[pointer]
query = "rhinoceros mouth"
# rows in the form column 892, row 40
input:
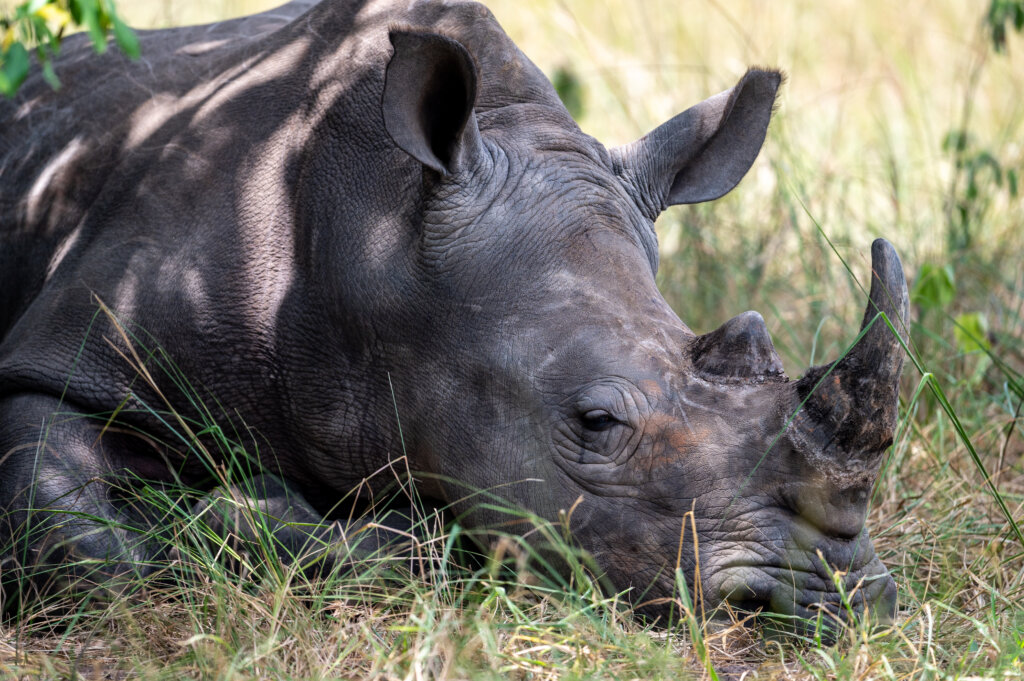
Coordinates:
column 789, row 591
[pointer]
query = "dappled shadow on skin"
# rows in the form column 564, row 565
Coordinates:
column 208, row 158
column 206, row 278
column 199, row 202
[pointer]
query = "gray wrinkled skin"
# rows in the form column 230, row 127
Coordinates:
column 319, row 207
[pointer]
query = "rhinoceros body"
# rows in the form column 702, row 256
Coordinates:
column 364, row 229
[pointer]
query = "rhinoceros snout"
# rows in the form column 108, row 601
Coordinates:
column 833, row 511
column 806, row 602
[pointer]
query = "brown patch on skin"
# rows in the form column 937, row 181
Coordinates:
column 680, row 440
column 652, row 389
column 670, row 439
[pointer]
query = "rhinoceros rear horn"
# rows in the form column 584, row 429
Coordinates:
column 739, row 351
column 703, row 152
column 850, row 406
column 429, row 93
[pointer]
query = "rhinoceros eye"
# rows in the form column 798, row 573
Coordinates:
column 598, row 420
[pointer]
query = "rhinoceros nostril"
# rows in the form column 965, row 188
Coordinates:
column 838, row 514
column 751, row 606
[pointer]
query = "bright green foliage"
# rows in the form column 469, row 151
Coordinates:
column 971, row 333
column 43, row 23
column 935, row 287
column 979, row 178
column 14, row 68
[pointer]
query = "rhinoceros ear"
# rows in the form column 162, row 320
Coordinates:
column 705, row 151
column 429, row 92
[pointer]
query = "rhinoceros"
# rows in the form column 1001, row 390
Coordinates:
column 369, row 229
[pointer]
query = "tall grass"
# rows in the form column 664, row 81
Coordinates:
column 897, row 120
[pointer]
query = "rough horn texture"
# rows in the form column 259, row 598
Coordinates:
column 740, row 349
column 852, row 409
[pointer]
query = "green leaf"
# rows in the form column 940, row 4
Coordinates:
column 91, row 22
column 935, row 287
column 41, row 24
column 956, row 141
column 14, row 66
column 971, row 333
column 126, row 38
column 75, row 7
column 986, row 159
column 1000, row 13
column 49, row 75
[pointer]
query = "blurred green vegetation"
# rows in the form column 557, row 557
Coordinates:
column 39, row 25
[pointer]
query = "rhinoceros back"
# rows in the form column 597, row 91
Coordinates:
column 58, row 148
column 71, row 160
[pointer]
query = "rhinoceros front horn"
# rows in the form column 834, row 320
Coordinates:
column 850, row 406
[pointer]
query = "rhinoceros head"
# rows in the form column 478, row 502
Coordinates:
column 549, row 370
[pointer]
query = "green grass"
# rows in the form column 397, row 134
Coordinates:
column 860, row 147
